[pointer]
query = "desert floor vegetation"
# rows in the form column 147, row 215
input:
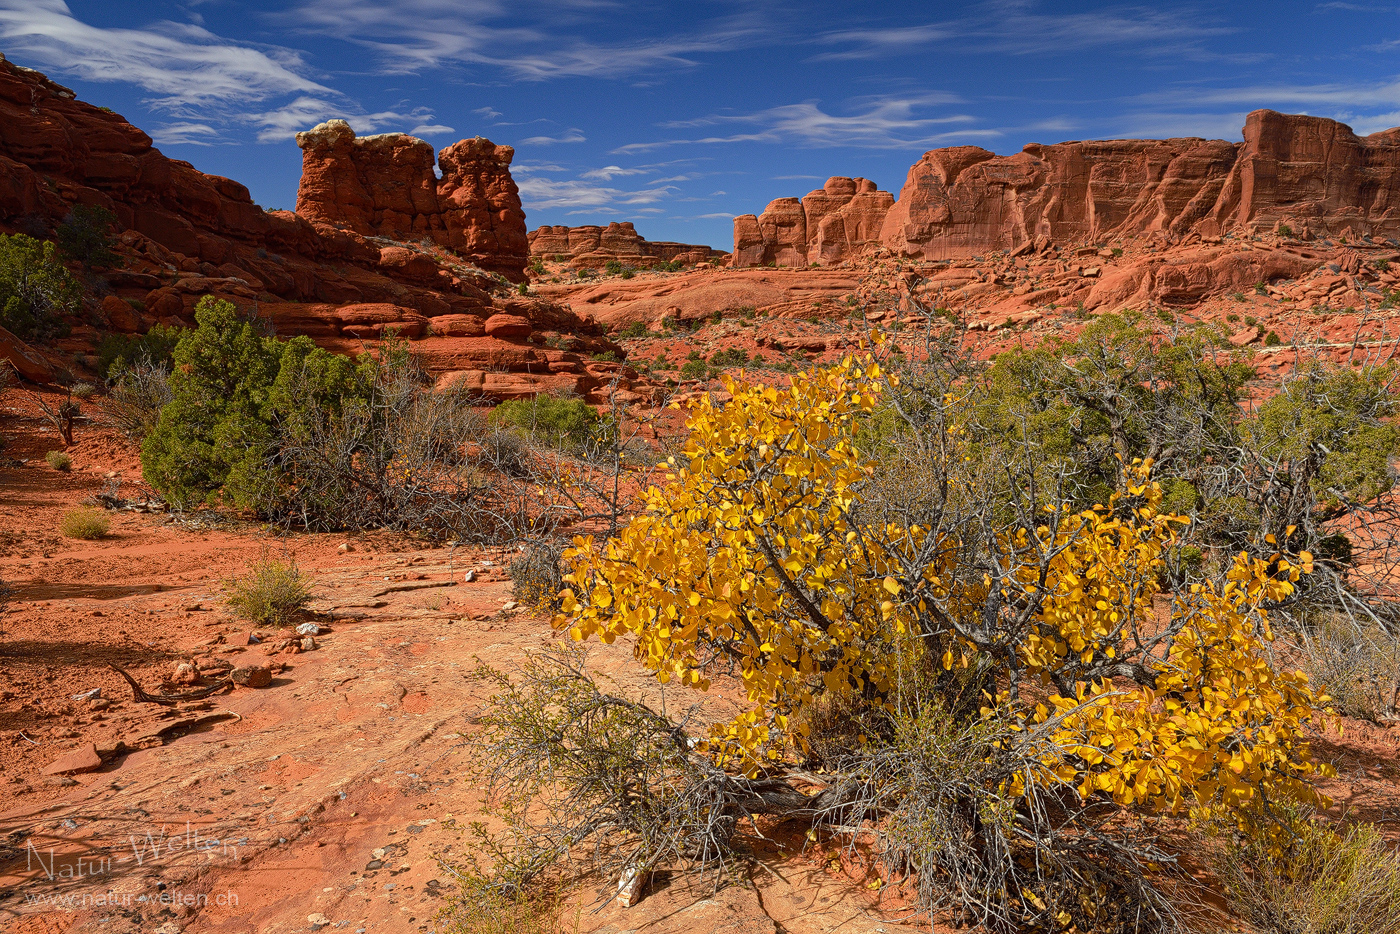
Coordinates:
column 1002, row 623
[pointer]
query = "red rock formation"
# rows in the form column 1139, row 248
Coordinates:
column 1313, row 173
column 593, row 246
column 385, row 186
column 481, row 207
column 833, row 223
column 183, row 235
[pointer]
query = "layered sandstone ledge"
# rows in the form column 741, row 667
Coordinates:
column 592, row 246
column 1309, row 174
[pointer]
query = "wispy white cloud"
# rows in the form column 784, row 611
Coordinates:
column 573, row 135
column 182, row 65
column 526, row 42
column 486, row 113
column 431, row 129
column 189, row 134
column 1021, row 27
column 609, row 172
column 878, row 123
column 545, row 193
column 203, row 79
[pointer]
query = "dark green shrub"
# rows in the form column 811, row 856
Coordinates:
column 36, row 291
column 233, row 393
column 86, row 235
column 1285, row 231
column 613, row 267
column 628, row 273
column 117, row 353
column 633, row 331
column 1272, row 339
column 733, row 356
column 569, row 424
column 694, row 369
column 605, row 356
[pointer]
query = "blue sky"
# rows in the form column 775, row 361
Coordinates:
column 679, row 116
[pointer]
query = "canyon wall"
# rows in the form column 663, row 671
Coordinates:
column 1310, row 174
column 837, row 221
column 592, row 246
column 386, row 186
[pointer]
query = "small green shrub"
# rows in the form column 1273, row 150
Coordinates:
column 119, row 352
column 1272, row 339
column 1232, row 318
column 1237, row 296
column 271, row 593
column 1260, row 289
column 633, row 331
column 568, row 424
column 1285, row 231
column 613, row 267
column 1117, row 252
column 85, row 522
column 605, row 356
column 536, row 265
column 36, row 291
column 694, row 369
column 733, row 356
column 628, row 273
column 59, row 461
column 1382, row 265
column 523, row 288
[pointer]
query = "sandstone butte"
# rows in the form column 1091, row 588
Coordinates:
column 352, row 265
column 385, row 186
column 592, row 247
column 1310, row 174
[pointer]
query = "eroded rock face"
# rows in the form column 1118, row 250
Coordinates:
column 1311, row 173
column 592, row 246
column 182, row 235
column 837, row 221
column 386, row 186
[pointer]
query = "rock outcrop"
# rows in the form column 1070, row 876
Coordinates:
column 1313, row 175
column 181, row 235
column 837, row 221
column 1310, row 174
column 385, row 186
column 593, row 247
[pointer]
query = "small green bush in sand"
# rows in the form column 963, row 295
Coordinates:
column 59, row 461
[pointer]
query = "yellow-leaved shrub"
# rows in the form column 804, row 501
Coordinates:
column 756, row 556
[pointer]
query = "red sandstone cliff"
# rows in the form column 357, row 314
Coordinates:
column 592, row 246
column 385, row 186
column 1313, row 174
column 836, row 222
column 182, row 234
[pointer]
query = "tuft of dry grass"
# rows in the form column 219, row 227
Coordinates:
column 85, row 522
column 1359, row 669
column 271, row 593
column 1323, row 882
column 59, row 461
